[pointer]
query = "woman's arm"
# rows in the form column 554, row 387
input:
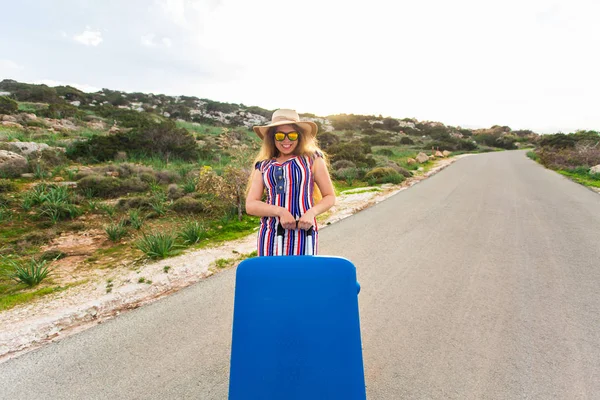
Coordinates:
column 323, row 181
column 255, row 206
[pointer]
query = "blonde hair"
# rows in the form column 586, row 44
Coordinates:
column 307, row 147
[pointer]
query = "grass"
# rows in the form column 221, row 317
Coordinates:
column 197, row 128
column 11, row 300
column 586, row 179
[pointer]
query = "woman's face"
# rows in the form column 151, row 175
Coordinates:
column 287, row 146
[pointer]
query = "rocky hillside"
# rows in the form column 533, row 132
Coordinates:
column 71, row 101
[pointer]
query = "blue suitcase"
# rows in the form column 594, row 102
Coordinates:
column 296, row 330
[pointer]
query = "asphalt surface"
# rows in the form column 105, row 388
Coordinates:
column 481, row 282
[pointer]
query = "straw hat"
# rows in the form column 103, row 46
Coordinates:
column 286, row 117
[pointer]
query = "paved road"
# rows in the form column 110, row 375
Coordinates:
column 482, row 282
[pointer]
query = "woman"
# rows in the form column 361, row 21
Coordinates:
column 292, row 169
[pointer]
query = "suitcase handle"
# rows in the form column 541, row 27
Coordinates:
column 307, row 233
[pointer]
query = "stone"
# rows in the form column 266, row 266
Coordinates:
column 12, row 164
column 25, row 148
column 411, row 161
column 432, row 157
column 9, row 118
column 446, row 153
column 29, row 117
column 12, row 124
column 595, row 169
column 439, row 154
column 422, row 158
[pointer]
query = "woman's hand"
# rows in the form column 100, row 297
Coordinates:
column 307, row 220
column 286, row 219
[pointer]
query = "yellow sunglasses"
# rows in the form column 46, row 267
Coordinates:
column 280, row 136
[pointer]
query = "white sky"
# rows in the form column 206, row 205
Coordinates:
column 528, row 64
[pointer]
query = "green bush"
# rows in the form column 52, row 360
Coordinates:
column 163, row 139
column 133, row 185
column 59, row 111
column 354, row 151
column 343, row 164
column 375, row 138
column 385, row 152
column 6, row 185
column 406, row 140
column 47, row 159
column 8, row 105
column 384, row 175
column 100, row 186
column 140, row 202
column 188, row 204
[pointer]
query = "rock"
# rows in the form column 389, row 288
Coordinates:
column 439, row 154
column 28, row 176
column 12, row 164
column 595, row 169
column 9, row 118
column 12, row 124
column 446, row 153
column 422, row 158
column 25, row 148
column 58, row 179
column 411, row 161
column 29, row 117
column 432, row 157
column 98, row 125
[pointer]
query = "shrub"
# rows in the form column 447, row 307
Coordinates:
column 375, row 138
column 192, row 232
column 165, row 177
column 327, row 139
column 142, row 203
column 136, row 219
column 30, row 273
column 384, row 175
column 385, row 152
column 163, row 139
column 116, row 230
column 8, row 105
column 348, row 175
column 6, row 185
column 133, row 185
column 156, row 245
column 47, row 159
column 406, row 140
column 189, row 185
column 188, row 204
column 59, row 111
column 174, row 192
column 354, row 151
column 101, row 186
column 343, row 164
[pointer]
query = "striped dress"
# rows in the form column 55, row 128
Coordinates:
column 289, row 184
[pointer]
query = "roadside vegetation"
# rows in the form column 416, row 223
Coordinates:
column 575, row 155
column 114, row 179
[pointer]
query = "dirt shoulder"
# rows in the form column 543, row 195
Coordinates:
column 105, row 295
